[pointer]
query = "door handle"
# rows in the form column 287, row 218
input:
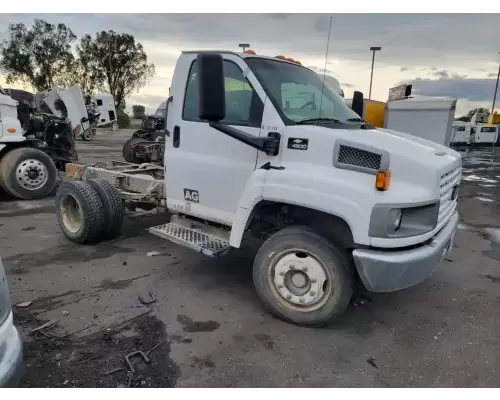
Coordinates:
column 177, row 136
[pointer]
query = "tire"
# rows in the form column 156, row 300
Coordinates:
column 293, row 249
column 128, row 152
column 88, row 226
column 114, row 211
column 15, row 167
column 88, row 135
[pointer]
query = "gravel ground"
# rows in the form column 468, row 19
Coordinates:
column 207, row 327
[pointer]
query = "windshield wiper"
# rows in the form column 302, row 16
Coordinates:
column 355, row 120
column 309, row 120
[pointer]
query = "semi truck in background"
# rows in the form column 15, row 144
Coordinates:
column 37, row 136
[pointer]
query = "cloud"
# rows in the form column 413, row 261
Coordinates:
column 471, row 89
column 427, row 46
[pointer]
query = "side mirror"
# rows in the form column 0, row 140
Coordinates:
column 211, row 96
column 358, row 103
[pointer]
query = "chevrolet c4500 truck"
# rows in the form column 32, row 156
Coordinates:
column 335, row 200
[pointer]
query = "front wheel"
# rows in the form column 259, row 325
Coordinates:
column 27, row 174
column 303, row 278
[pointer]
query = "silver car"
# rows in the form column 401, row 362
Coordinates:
column 11, row 346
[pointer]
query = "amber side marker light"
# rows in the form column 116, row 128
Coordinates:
column 383, row 180
column 11, row 130
column 249, row 51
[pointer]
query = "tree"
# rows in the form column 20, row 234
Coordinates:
column 114, row 62
column 138, row 111
column 470, row 114
column 39, row 56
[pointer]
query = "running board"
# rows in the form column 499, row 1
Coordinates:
column 194, row 239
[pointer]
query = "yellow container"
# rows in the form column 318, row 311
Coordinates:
column 374, row 113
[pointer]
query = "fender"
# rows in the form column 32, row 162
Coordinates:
column 2, row 146
column 294, row 186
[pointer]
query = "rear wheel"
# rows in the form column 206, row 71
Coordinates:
column 27, row 173
column 80, row 212
column 114, row 211
column 303, row 278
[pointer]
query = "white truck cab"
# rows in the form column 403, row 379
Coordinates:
column 334, row 198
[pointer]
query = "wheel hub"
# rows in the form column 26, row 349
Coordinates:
column 300, row 279
column 32, row 174
column 70, row 212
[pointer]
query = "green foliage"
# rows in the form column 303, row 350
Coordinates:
column 138, row 111
column 118, row 63
column 470, row 114
column 39, row 56
column 123, row 120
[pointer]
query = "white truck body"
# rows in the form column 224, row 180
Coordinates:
column 485, row 135
column 428, row 118
column 10, row 127
column 73, row 106
column 105, row 104
column 462, row 133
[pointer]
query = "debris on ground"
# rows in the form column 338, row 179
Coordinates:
column 372, row 362
column 135, row 354
column 148, row 298
column 65, row 313
column 24, row 304
column 153, row 253
column 45, row 326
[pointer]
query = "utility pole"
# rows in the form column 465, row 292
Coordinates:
column 373, row 49
column 496, row 90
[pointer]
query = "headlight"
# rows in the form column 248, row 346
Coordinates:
column 389, row 220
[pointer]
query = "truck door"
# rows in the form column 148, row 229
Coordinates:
column 206, row 170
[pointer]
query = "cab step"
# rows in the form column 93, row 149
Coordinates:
column 194, row 239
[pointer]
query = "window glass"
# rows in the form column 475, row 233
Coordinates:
column 243, row 105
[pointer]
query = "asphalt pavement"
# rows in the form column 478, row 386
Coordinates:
column 207, row 327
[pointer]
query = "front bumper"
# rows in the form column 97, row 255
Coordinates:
column 11, row 355
column 389, row 271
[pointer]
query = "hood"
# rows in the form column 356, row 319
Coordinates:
column 413, row 161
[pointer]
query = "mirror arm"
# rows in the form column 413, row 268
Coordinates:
column 269, row 145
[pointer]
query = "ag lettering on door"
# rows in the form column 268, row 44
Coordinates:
column 191, row 195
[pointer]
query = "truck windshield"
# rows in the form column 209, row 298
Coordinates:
column 298, row 93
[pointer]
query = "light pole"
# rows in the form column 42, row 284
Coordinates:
column 244, row 46
column 373, row 49
column 496, row 89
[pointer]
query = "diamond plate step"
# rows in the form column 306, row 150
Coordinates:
column 208, row 245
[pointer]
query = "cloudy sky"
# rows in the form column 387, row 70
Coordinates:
column 454, row 55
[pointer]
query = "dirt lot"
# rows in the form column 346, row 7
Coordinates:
column 207, row 327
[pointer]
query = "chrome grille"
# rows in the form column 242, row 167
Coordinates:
column 360, row 158
column 447, row 206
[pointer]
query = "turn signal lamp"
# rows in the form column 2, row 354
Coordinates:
column 250, row 51
column 383, row 180
column 11, row 130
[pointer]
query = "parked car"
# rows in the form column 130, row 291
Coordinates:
column 11, row 346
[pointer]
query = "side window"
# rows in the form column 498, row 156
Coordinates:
column 243, row 104
column 99, row 102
